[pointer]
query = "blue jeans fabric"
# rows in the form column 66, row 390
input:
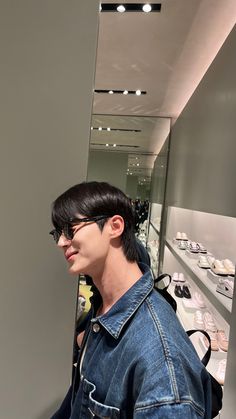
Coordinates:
column 139, row 363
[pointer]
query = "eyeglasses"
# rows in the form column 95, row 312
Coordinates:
column 68, row 230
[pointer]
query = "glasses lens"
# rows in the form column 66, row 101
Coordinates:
column 56, row 234
column 68, row 231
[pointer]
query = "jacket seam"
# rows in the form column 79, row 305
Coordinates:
column 166, row 350
column 158, row 404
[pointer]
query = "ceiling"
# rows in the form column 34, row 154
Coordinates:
column 165, row 54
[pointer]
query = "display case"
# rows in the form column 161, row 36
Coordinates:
column 214, row 239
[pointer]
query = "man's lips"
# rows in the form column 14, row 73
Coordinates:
column 69, row 254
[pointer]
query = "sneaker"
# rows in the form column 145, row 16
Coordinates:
column 198, row 320
column 178, row 291
column 222, row 340
column 214, row 341
column 198, row 299
column 175, row 277
column 186, row 292
column 218, row 268
column 203, row 262
column 220, row 374
column 202, row 249
column 193, row 247
column 184, row 236
column 209, row 322
column 182, row 245
column 229, row 266
column 181, row 277
column 225, row 287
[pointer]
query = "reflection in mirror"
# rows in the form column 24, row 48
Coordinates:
column 123, row 150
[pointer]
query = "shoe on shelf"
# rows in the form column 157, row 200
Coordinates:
column 218, row 268
column 214, row 341
column 178, row 291
column 184, row 236
column 186, row 292
column 225, row 287
column 220, row 374
column 203, row 262
column 198, row 320
column 222, row 340
column 202, row 249
column 178, row 236
column 209, row 322
column 193, row 247
column 198, row 300
column 175, row 277
column 211, row 260
column 181, row 277
column 229, row 266
column 182, row 245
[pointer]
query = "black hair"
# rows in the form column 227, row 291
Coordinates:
column 97, row 198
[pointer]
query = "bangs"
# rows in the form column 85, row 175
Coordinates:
column 63, row 211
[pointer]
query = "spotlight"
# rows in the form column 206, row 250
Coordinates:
column 114, row 145
column 99, row 128
column 138, row 92
column 91, row 128
column 110, row 92
column 108, row 129
column 137, row 164
column 125, row 92
column 121, row 8
column 147, row 8
column 107, row 145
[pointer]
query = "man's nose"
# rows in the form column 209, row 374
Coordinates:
column 63, row 241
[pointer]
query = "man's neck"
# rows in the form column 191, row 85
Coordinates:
column 115, row 280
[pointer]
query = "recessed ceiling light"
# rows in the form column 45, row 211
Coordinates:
column 114, row 145
column 138, row 92
column 91, row 128
column 137, row 164
column 110, row 92
column 121, row 8
column 107, row 145
column 99, row 128
column 125, row 92
column 108, row 129
column 147, row 8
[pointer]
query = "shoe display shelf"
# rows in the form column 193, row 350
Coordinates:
column 217, row 234
column 186, row 314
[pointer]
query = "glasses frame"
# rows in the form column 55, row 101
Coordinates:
column 67, row 228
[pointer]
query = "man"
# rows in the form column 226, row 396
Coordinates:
column 136, row 360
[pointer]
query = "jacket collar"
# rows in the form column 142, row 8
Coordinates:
column 116, row 318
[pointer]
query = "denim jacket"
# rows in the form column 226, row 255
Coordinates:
column 138, row 363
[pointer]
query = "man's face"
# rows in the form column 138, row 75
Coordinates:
column 86, row 253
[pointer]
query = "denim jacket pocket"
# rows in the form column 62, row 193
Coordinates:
column 97, row 409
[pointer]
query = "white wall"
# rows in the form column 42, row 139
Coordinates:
column 47, row 66
column 108, row 167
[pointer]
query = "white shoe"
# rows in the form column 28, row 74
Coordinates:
column 198, row 320
column 198, row 299
column 175, row 277
column 218, row 268
column 209, row 322
column 220, row 374
column 184, row 236
column 181, row 277
column 229, row 267
column 225, row 287
column 178, row 236
column 203, row 262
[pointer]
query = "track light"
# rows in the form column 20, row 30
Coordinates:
column 125, row 92
column 110, row 92
column 121, row 92
column 138, row 92
column 131, row 7
column 120, row 8
column 147, row 8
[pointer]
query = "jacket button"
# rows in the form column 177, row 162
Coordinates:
column 96, row 327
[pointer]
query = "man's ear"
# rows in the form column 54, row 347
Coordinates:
column 117, row 226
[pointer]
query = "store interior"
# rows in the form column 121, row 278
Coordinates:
column 174, row 131
column 176, row 156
